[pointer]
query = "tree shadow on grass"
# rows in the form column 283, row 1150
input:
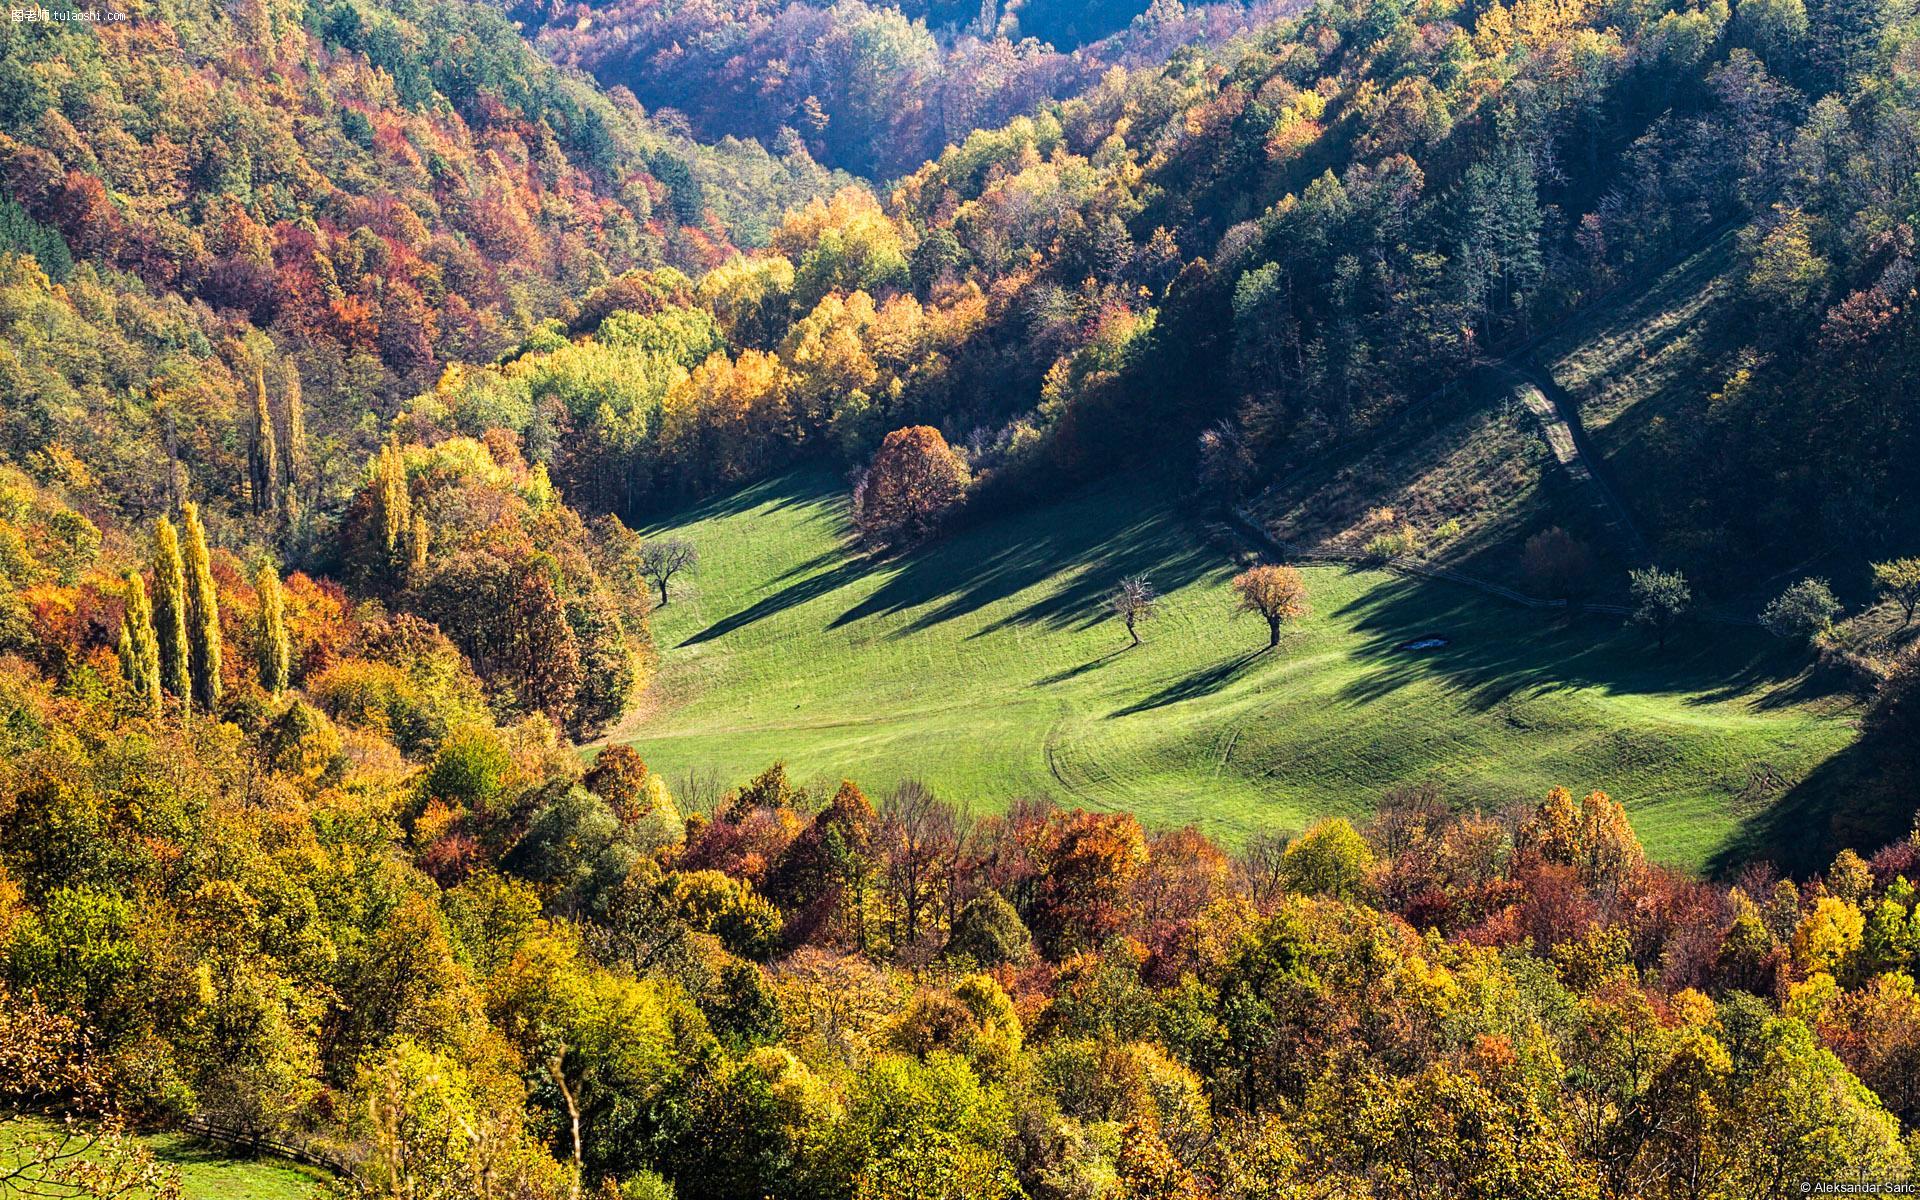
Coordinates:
column 1498, row 650
column 794, row 594
column 1090, row 541
column 1092, row 664
column 1203, row 682
column 1851, row 800
column 186, row 1152
column 819, row 562
column 792, row 489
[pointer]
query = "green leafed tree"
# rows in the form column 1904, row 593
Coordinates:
column 1660, row 600
column 1899, row 581
column 170, row 610
column 1803, row 611
column 202, row 611
column 273, row 648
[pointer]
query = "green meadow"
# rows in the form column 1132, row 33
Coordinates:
column 988, row 666
column 206, row 1171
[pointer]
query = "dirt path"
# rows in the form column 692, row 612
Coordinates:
column 1559, row 421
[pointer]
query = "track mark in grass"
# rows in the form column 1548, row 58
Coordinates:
column 986, row 666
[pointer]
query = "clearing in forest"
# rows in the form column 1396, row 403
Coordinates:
column 988, row 665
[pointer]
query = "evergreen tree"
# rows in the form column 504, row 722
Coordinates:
column 1499, row 263
column 170, row 610
column 202, row 611
column 273, row 647
column 139, row 645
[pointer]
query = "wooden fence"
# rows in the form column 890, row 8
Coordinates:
column 300, row 1150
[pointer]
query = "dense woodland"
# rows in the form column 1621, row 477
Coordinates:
column 874, row 89
column 346, row 344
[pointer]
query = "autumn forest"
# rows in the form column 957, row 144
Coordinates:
column 901, row 600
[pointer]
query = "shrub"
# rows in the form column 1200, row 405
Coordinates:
column 1802, row 612
column 1395, row 543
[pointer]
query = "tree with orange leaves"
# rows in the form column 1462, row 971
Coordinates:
column 1278, row 594
column 915, row 481
column 1088, row 864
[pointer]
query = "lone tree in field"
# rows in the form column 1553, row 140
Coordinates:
column 1278, row 594
column 915, row 480
column 1660, row 599
column 1134, row 601
column 1899, row 581
column 663, row 558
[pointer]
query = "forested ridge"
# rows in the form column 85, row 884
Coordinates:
column 348, row 344
column 1276, row 244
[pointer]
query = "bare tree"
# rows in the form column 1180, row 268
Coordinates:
column 699, row 790
column 919, row 842
column 1134, row 601
column 663, row 558
column 1259, row 864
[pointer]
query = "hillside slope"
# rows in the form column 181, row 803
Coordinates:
column 987, row 666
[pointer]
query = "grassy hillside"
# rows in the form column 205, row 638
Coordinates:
column 986, row 665
column 1640, row 373
column 208, row 1173
column 1473, row 458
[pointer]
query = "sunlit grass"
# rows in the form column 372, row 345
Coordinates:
column 987, row 666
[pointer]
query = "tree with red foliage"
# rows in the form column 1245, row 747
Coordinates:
column 750, row 830
column 1088, row 864
column 821, row 881
column 1184, row 874
column 915, row 481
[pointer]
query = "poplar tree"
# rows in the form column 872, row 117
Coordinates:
column 393, row 503
column 170, row 610
column 202, row 611
column 417, row 542
column 139, row 644
column 123, row 648
column 293, row 448
column 273, row 648
column 263, row 456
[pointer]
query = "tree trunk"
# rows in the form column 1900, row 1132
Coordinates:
column 1273, row 632
column 663, row 591
column 573, row 1112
